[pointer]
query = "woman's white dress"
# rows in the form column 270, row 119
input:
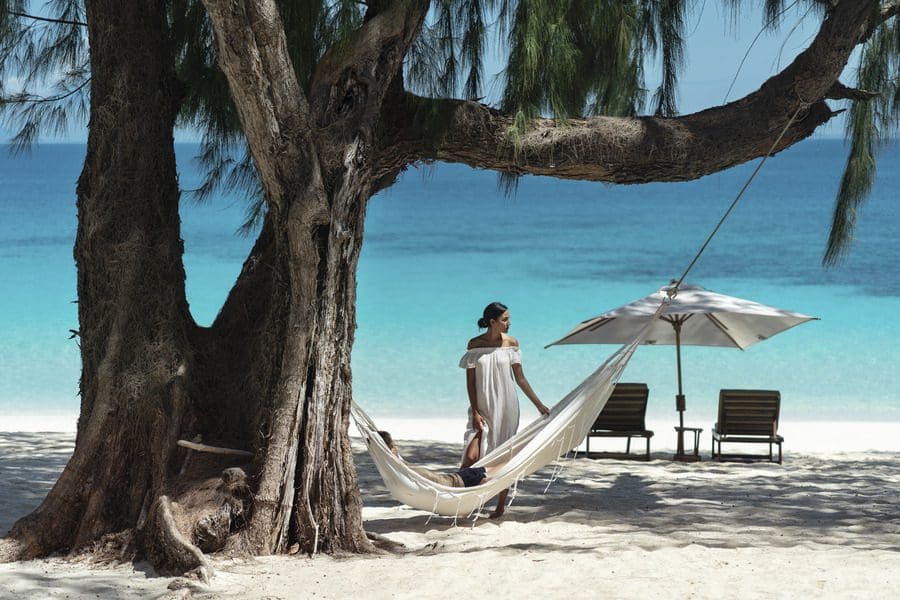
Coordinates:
column 495, row 392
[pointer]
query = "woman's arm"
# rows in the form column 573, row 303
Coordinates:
column 519, row 375
column 473, row 399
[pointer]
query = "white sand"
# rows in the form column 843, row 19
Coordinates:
column 823, row 524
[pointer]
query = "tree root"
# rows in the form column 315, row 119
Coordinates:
column 173, row 551
column 385, row 544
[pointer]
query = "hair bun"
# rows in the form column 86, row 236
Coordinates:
column 491, row 312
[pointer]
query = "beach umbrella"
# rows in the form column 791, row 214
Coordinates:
column 695, row 316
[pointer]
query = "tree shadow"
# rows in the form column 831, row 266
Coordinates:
column 849, row 500
column 843, row 500
column 30, row 464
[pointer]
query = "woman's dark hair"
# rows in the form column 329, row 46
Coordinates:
column 491, row 311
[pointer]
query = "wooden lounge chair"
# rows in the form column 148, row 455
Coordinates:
column 747, row 416
column 623, row 416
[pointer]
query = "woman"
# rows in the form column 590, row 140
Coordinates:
column 492, row 361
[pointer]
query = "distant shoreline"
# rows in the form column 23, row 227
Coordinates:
column 800, row 436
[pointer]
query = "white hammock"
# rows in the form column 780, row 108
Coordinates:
column 535, row 446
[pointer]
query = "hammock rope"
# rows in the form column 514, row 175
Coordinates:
column 737, row 198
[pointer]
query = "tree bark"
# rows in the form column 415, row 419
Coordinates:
column 313, row 163
column 133, row 313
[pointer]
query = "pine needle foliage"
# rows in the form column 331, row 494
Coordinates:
column 45, row 59
column 776, row 13
column 870, row 126
column 572, row 58
column 666, row 23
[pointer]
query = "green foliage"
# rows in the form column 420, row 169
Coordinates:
column 448, row 55
column 871, row 124
column 47, row 62
column 664, row 26
column 571, row 58
column 775, row 11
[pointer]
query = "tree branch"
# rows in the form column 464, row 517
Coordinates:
column 351, row 80
column 273, row 110
column 32, row 99
column 887, row 11
column 839, row 91
column 632, row 150
column 46, row 19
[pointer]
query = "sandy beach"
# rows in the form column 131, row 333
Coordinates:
column 823, row 524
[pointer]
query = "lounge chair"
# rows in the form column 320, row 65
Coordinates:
column 747, row 416
column 623, row 416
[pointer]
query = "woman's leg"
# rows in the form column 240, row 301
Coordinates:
column 501, row 504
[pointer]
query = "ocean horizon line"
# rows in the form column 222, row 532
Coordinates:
column 806, row 435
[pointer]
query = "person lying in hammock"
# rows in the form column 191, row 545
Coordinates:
column 464, row 477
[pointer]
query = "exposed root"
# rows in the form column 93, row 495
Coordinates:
column 385, row 544
column 173, row 550
column 112, row 547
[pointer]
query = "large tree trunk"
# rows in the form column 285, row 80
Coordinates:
column 314, row 162
column 271, row 376
column 133, row 314
column 276, row 366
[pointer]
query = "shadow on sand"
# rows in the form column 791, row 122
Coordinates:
column 839, row 500
column 845, row 500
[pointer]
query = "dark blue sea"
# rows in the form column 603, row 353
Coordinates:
column 445, row 240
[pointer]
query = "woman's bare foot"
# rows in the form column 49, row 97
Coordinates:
column 501, row 504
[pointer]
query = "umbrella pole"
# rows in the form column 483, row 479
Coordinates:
column 679, row 399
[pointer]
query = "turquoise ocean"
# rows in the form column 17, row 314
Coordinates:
column 445, row 240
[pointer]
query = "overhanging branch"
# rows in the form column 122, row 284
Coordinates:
column 885, row 12
column 839, row 91
column 888, row 10
column 633, row 150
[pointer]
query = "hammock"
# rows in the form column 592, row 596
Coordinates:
column 532, row 448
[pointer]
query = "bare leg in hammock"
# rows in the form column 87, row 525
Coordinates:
column 471, row 456
column 473, row 451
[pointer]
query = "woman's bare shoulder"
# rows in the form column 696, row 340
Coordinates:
column 509, row 340
column 476, row 342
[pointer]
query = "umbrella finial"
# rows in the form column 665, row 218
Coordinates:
column 671, row 292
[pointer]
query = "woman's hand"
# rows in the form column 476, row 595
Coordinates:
column 542, row 409
column 477, row 421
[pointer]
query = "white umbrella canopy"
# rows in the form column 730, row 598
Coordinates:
column 706, row 319
column 694, row 317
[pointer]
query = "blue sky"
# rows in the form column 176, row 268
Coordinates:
column 716, row 46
